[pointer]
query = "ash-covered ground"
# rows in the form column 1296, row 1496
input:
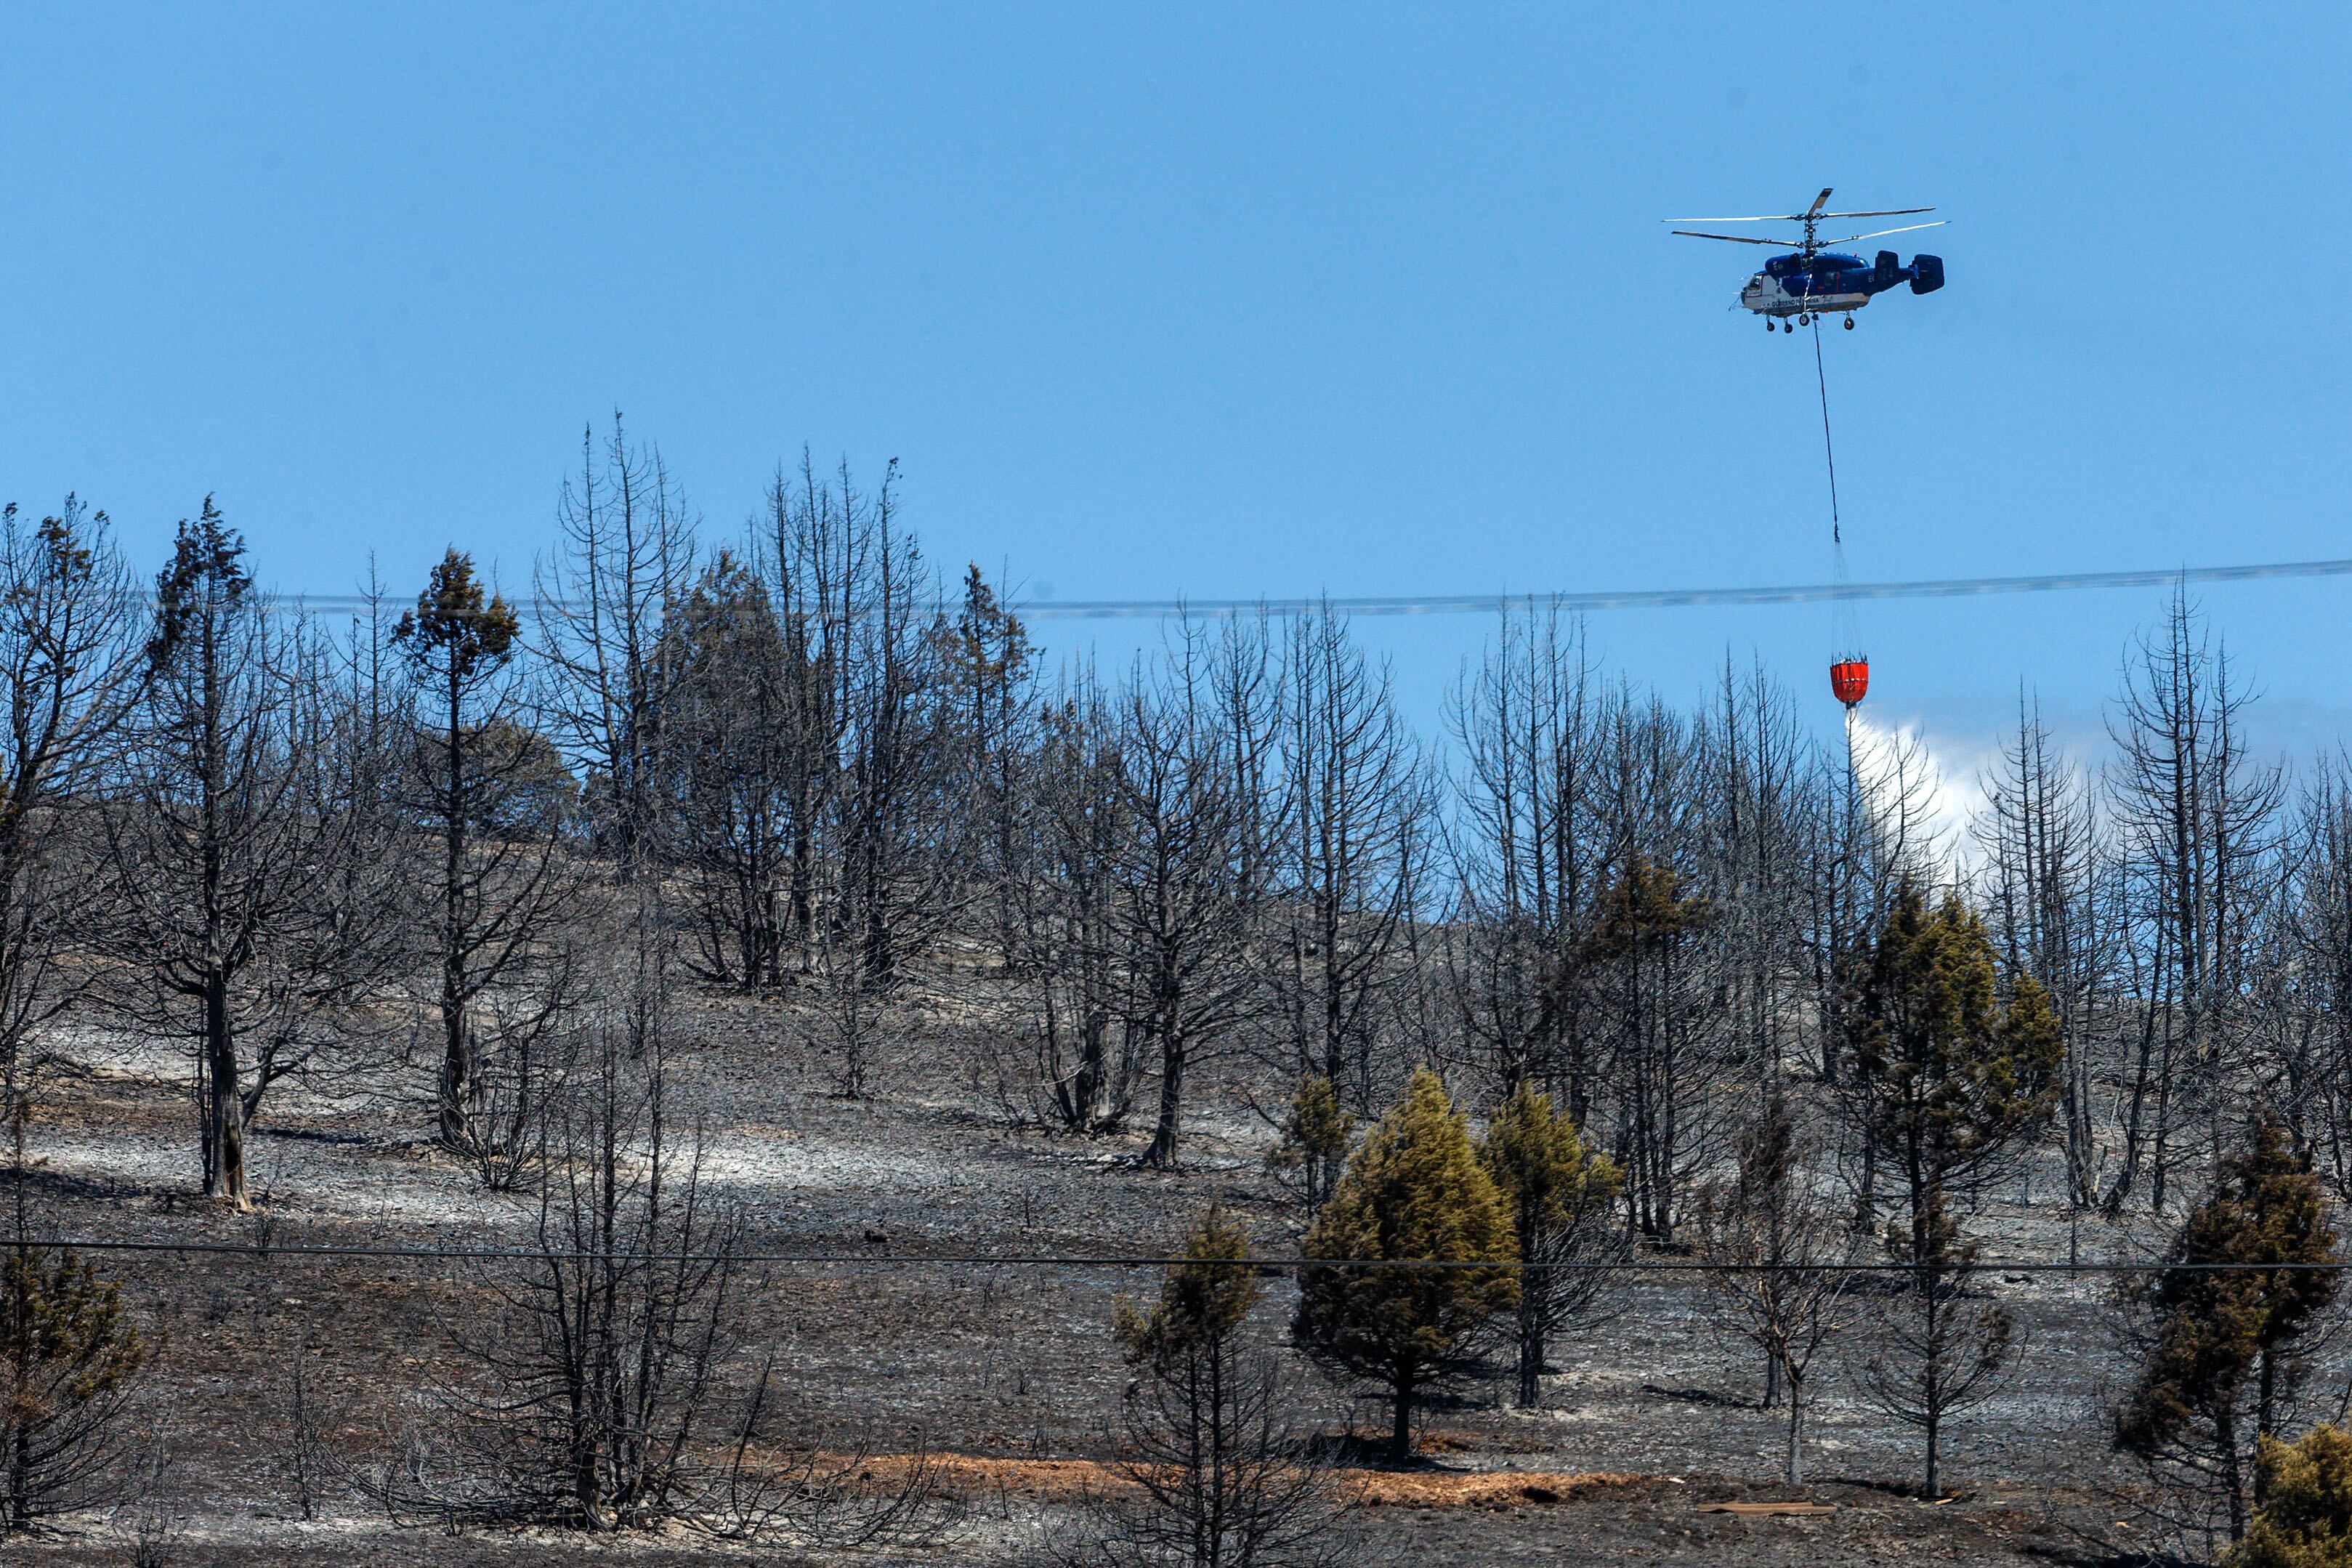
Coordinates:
column 1010, row 1366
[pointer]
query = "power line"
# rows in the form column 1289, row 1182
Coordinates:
column 1087, row 1260
column 1675, row 598
column 1492, row 603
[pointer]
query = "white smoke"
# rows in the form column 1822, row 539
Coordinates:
column 1938, row 790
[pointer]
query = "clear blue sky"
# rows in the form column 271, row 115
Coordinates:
column 1224, row 301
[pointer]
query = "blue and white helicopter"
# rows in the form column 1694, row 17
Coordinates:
column 1813, row 279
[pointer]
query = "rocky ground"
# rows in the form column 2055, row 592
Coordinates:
column 1651, row 1416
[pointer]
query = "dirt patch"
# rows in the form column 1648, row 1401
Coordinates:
column 1490, row 1488
column 972, row 1476
column 1060, row 1480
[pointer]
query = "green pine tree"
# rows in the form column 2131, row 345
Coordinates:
column 1949, row 1082
column 2307, row 1521
column 457, row 642
column 1560, row 1195
column 1216, row 1475
column 2218, row 1348
column 1316, row 1137
column 1202, row 1301
column 1415, row 1190
column 68, row 1356
column 1955, row 1080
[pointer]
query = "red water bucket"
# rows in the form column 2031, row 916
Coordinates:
column 1849, row 680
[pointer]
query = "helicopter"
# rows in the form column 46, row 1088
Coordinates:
column 1813, row 280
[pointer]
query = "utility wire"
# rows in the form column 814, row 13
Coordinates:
column 1490, row 603
column 1082, row 1260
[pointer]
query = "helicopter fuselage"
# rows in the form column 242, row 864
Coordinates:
column 1799, row 283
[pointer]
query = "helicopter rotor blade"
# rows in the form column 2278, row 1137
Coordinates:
column 1819, row 203
column 1740, row 239
column 1816, row 217
column 1875, row 233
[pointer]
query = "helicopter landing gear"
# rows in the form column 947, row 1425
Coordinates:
column 1803, row 320
column 1771, row 325
column 1849, row 323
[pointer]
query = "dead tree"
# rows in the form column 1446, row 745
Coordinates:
column 1943, row 1346
column 1779, row 1247
column 2316, row 948
column 897, row 825
column 1834, row 906
column 847, row 1020
column 879, row 837
column 221, row 848
column 1662, row 1078
column 1651, row 996
column 1181, row 911
column 624, row 556
column 68, row 671
column 1236, row 673
column 2050, row 898
column 811, row 555
column 1359, row 815
column 1753, row 838
column 609, row 1385
column 2195, row 815
column 582, row 1397
column 353, row 746
column 734, row 754
column 826, row 763
column 1526, row 855
column 1077, row 1002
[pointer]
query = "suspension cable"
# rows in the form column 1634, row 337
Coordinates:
column 1821, row 379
